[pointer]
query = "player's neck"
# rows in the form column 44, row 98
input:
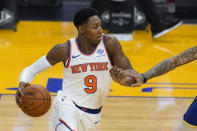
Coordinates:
column 84, row 45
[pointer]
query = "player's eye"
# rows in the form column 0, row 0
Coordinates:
column 95, row 26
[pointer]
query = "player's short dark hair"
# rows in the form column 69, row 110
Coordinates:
column 83, row 15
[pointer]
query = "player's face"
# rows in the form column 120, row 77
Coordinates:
column 93, row 30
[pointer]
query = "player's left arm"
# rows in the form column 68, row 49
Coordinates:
column 170, row 64
column 121, row 66
column 58, row 53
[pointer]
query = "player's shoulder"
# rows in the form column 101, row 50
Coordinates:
column 111, row 42
column 109, row 39
column 62, row 46
column 61, row 49
column 59, row 52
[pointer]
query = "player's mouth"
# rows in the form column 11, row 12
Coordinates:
column 99, row 37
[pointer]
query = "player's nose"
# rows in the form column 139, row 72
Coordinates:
column 100, row 31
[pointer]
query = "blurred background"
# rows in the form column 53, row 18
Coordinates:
column 13, row 11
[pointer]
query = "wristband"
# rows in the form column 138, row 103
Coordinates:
column 30, row 72
column 144, row 78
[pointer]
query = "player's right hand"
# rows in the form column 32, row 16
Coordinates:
column 19, row 92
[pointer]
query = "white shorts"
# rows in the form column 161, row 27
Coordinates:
column 66, row 116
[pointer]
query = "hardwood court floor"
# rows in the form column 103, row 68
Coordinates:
column 119, row 114
column 155, row 106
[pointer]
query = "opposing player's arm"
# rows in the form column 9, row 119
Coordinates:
column 121, row 65
column 172, row 63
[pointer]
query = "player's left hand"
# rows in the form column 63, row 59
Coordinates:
column 19, row 92
column 124, row 77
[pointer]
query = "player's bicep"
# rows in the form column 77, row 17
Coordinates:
column 118, row 57
column 123, row 62
column 57, row 54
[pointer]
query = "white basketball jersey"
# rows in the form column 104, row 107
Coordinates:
column 86, row 78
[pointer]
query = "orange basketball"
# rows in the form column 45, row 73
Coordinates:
column 36, row 100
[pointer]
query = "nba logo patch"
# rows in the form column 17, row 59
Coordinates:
column 63, row 98
column 100, row 52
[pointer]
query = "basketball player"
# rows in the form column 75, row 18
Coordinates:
column 190, row 117
column 87, row 60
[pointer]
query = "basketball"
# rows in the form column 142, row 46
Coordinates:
column 36, row 100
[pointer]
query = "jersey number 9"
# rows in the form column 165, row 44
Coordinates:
column 91, row 84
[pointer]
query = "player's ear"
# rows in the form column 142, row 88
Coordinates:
column 81, row 29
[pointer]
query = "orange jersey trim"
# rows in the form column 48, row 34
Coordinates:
column 108, row 55
column 62, row 121
column 69, row 59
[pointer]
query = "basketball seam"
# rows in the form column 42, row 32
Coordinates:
column 34, row 98
column 48, row 99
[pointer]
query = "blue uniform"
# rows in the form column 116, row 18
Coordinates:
column 190, row 117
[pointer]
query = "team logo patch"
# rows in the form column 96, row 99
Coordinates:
column 63, row 98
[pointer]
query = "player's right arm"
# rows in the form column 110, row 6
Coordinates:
column 171, row 63
column 58, row 53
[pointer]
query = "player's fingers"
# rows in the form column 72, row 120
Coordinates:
column 136, row 76
column 20, row 92
column 112, row 71
column 22, row 85
column 17, row 98
column 136, row 84
column 27, row 84
column 115, row 72
column 120, row 74
column 116, row 69
column 113, row 76
column 130, row 81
